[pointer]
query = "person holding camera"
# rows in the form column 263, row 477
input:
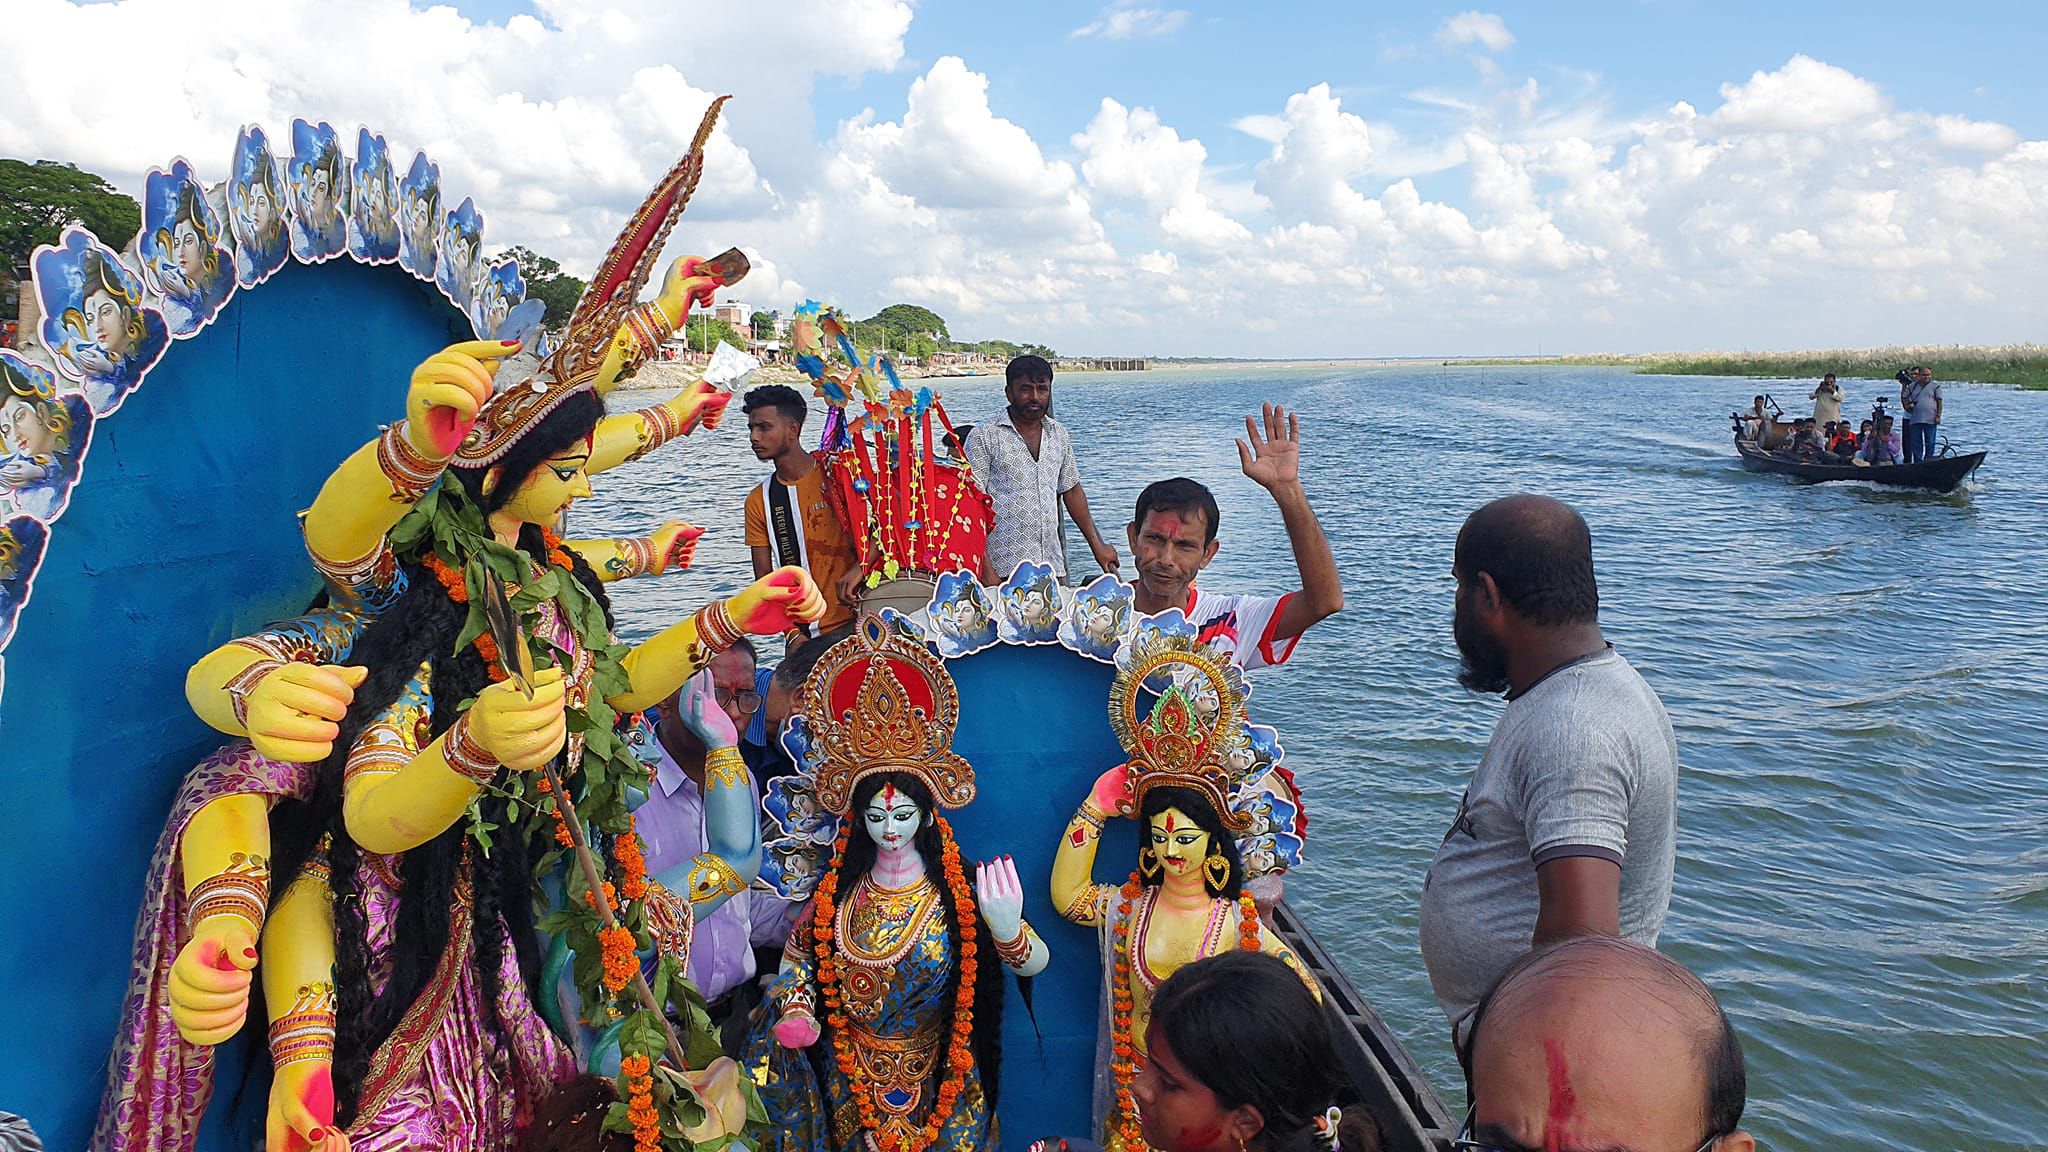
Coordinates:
column 1921, row 398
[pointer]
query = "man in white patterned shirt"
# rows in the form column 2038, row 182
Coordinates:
column 1025, row 462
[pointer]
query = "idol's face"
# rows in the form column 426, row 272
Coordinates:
column 22, row 430
column 892, row 819
column 559, row 482
column 188, row 251
column 109, row 320
column 1179, row 842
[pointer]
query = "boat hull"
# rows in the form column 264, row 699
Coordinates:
column 1940, row 474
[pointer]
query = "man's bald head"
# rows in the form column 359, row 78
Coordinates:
column 1598, row 1042
column 1540, row 555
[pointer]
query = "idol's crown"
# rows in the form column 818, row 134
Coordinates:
column 880, row 701
column 1186, row 737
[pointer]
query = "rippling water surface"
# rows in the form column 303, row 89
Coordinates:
column 1858, row 678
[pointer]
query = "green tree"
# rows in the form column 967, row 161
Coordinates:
column 705, row 331
column 763, row 324
column 547, row 283
column 920, row 347
column 38, row 201
column 909, row 319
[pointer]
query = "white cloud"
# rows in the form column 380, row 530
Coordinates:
column 1483, row 28
column 1122, row 21
column 1801, row 208
column 1803, row 96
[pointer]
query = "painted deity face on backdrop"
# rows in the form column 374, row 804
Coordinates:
column 319, row 194
column 262, row 209
column 559, row 482
column 1180, row 843
column 22, row 429
column 188, row 251
column 108, row 321
column 892, row 819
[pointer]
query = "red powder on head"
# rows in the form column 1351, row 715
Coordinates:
column 1198, row 1139
column 1564, row 1103
column 888, row 795
column 1169, row 523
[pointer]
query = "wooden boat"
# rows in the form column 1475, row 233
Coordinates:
column 1383, row 1079
column 1938, row 474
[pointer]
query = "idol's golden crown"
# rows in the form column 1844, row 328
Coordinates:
column 880, row 701
column 1186, row 738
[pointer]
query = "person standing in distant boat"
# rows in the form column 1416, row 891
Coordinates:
column 1921, row 397
column 1025, row 462
column 1173, row 537
column 1827, row 401
column 1569, row 825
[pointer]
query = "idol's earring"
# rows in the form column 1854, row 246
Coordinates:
column 1218, row 868
column 1148, row 862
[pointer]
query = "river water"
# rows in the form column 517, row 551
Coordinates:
column 1858, row 679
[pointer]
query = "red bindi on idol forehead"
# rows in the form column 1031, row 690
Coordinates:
column 1169, row 822
column 888, row 795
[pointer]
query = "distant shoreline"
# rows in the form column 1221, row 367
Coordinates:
column 2023, row 366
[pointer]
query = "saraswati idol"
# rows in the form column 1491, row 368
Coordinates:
column 889, row 1007
column 1201, row 798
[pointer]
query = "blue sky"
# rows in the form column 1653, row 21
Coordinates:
column 1146, row 176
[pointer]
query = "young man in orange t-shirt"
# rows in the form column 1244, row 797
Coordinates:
column 789, row 520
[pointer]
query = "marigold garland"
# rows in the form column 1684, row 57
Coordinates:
column 458, row 590
column 640, row 1103
column 1125, row 1064
column 959, row 1051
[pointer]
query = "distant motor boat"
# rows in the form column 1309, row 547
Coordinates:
column 1935, row 474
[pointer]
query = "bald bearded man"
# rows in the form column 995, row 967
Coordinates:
column 1598, row 1044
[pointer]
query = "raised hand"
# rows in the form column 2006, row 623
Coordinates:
column 675, row 545
column 447, row 389
column 521, row 734
column 209, row 987
column 683, row 286
column 700, row 713
column 1274, row 459
column 1000, row 894
column 777, row 602
column 294, row 713
column 1111, row 793
column 301, row 1113
column 701, row 403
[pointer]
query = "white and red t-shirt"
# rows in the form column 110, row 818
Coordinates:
column 1242, row 626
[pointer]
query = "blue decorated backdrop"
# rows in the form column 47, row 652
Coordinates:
column 183, row 536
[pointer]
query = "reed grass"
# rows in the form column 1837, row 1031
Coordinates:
column 2017, row 365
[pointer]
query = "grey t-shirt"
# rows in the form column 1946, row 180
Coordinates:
column 1921, row 401
column 1582, row 764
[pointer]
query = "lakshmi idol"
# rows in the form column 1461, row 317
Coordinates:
column 889, row 1006
column 1186, row 899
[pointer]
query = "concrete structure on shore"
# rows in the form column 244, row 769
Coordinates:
column 1068, row 365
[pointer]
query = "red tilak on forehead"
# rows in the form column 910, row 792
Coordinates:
column 888, row 795
column 1169, row 524
column 1169, row 821
column 1564, row 1103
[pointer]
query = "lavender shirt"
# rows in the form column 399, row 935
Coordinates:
column 672, row 824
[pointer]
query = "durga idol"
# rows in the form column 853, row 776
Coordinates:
column 889, row 1007
column 1186, row 900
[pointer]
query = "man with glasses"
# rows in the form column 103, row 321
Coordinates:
column 1602, row 1043
column 671, row 823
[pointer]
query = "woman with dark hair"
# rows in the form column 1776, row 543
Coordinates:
column 1241, row 1059
column 899, row 968
column 1186, row 899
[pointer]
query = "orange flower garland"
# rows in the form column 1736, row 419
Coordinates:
column 959, row 1051
column 640, row 1103
column 458, row 590
column 1125, row 1064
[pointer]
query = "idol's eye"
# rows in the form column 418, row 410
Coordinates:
column 564, row 474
